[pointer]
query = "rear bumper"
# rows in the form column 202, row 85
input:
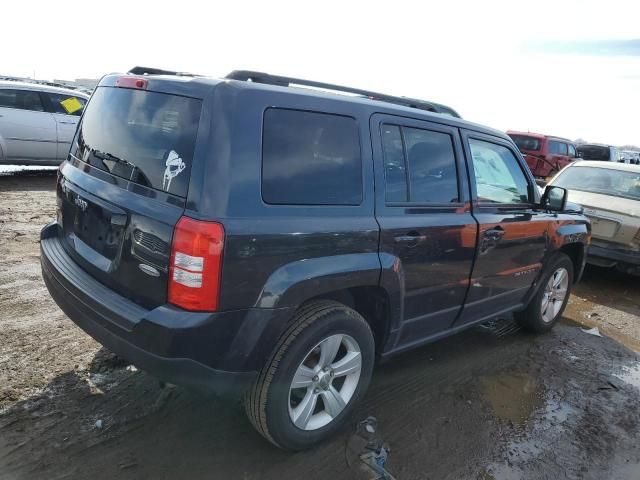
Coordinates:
column 626, row 256
column 216, row 352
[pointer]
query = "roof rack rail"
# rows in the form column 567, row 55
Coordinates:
column 158, row 71
column 266, row 78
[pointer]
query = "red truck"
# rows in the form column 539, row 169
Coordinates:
column 545, row 155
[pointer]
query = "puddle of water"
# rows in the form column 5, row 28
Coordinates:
column 548, row 421
column 630, row 375
column 513, row 397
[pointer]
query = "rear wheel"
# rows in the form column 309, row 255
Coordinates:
column 546, row 307
column 320, row 369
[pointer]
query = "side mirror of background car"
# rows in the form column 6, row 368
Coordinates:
column 554, row 198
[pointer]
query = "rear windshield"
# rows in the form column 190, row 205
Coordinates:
column 145, row 137
column 526, row 143
column 618, row 183
column 593, row 152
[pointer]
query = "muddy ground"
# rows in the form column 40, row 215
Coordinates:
column 491, row 403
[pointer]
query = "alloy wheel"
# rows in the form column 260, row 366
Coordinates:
column 554, row 294
column 324, row 382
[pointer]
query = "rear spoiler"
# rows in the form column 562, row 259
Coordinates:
column 158, row 71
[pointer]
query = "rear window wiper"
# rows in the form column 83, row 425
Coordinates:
column 135, row 170
column 109, row 156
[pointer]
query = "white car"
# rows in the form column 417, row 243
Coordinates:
column 37, row 122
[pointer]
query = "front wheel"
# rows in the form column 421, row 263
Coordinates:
column 319, row 370
column 546, row 307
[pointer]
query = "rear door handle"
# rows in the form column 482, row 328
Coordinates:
column 495, row 233
column 411, row 239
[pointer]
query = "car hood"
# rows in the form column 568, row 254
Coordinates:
column 620, row 206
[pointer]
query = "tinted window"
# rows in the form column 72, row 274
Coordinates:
column 310, row 159
column 8, row 98
column 429, row 159
column 572, row 151
column 394, row 164
column 499, row 178
column 67, row 104
column 526, row 143
column 145, row 137
column 432, row 166
column 557, row 148
column 617, row 183
column 22, row 99
column 594, row 152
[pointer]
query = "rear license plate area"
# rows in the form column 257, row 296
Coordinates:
column 601, row 227
column 91, row 220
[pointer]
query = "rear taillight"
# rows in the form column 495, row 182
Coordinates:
column 196, row 264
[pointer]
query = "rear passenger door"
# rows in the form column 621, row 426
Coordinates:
column 512, row 236
column 428, row 235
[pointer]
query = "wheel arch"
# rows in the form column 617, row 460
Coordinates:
column 370, row 301
column 576, row 253
column 353, row 280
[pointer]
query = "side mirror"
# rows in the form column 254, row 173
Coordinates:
column 554, row 198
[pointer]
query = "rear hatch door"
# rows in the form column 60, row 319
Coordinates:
column 124, row 187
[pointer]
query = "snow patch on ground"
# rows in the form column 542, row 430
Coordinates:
column 13, row 169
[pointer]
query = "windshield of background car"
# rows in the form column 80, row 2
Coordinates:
column 618, row 183
column 526, row 143
column 593, row 152
column 146, row 137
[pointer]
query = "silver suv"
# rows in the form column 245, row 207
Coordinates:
column 37, row 122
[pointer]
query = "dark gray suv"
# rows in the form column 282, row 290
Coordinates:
column 247, row 236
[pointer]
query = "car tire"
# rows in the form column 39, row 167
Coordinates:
column 297, row 418
column 546, row 307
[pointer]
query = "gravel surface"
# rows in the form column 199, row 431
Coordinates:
column 490, row 403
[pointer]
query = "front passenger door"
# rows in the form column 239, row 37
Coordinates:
column 512, row 235
column 66, row 110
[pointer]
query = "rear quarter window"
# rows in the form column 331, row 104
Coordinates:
column 21, row 100
column 524, row 142
column 310, row 158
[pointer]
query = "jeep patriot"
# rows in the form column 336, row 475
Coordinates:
column 257, row 235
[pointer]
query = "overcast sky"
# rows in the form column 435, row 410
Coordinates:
column 567, row 68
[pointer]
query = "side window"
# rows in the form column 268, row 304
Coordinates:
column 67, row 104
column 21, row 99
column 432, row 166
column 498, row 176
column 572, row 151
column 310, row 158
column 9, row 98
column 557, row 148
column 428, row 158
column 563, row 149
column 395, row 170
column 30, row 100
